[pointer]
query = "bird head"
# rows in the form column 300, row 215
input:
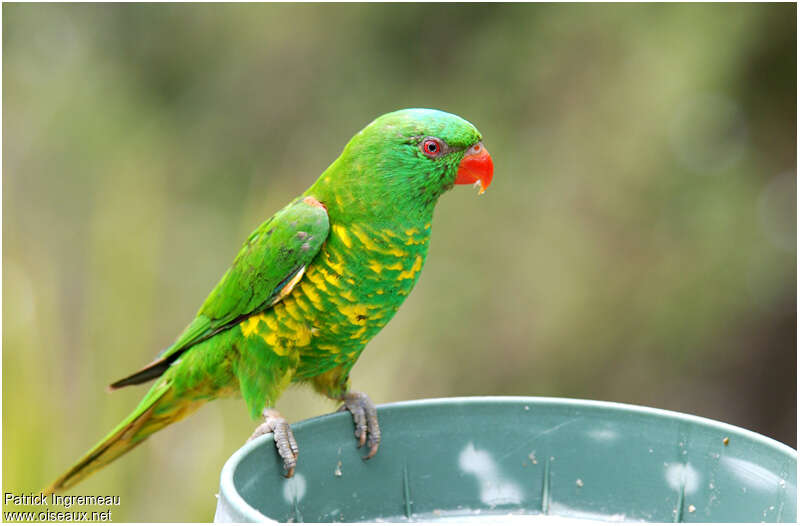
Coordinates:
column 402, row 162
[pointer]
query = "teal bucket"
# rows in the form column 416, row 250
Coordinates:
column 511, row 458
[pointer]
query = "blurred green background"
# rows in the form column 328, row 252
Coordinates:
column 638, row 243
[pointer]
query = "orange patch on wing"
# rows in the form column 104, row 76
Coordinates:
column 314, row 202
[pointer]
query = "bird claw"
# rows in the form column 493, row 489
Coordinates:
column 365, row 418
column 284, row 438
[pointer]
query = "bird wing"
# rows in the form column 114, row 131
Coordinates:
column 271, row 262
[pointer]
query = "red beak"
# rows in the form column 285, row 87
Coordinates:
column 476, row 168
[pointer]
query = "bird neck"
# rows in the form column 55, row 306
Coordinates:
column 352, row 194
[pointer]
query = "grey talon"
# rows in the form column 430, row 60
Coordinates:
column 365, row 417
column 285, row 442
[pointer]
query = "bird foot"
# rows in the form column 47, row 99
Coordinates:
column 284, row 438
column 365, row 417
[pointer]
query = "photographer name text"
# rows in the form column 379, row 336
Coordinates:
column 67, row 501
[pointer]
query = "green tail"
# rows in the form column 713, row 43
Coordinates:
column 158, row 409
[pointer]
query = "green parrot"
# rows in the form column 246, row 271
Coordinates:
column 310, row 287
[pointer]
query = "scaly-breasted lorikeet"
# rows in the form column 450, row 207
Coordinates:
column 311, row 286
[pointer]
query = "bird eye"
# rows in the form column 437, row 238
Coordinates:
column 431, row 147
